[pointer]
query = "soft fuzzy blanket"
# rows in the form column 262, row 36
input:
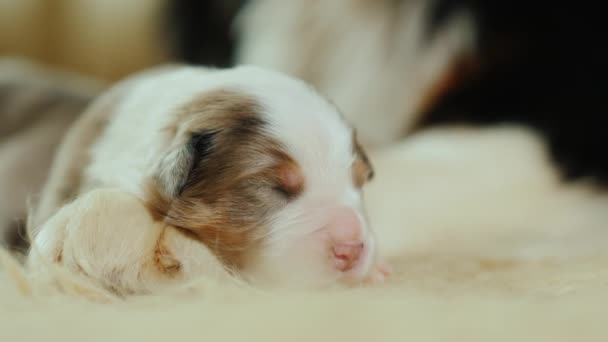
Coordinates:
column 486, row 243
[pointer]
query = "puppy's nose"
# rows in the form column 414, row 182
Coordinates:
column 347, row 255
column 345, row 232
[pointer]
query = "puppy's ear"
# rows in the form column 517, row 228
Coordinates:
column 178, row 164
column 212, row 125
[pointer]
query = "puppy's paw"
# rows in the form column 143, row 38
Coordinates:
column 379, row 273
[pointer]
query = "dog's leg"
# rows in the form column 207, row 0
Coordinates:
column 111, row 238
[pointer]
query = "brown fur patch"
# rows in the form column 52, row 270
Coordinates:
column 235, row 182
column 362, row 167
column 164, row 260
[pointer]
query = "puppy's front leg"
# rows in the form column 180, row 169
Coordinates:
column 111, row 238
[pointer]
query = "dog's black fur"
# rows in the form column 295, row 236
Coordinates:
column 541, row 64
column 200, row 31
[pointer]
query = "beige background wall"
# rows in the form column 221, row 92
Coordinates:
column 104, row 38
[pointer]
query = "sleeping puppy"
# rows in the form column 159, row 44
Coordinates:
column 249, row 163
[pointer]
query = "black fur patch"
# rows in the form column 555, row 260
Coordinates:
column 541, row 64
column 200, row 32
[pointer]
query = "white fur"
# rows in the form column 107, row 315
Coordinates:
column 109, row 236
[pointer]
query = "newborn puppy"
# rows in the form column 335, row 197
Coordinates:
column 250, row 163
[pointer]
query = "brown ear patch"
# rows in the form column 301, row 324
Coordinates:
column 362, row 168
column 229, row 193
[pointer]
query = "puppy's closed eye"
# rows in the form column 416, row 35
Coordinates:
column 289, row 180
column 283, row 192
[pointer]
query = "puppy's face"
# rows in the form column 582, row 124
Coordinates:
column 270, row 179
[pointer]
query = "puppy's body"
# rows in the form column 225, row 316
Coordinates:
column 37, row 106
column 247, row 162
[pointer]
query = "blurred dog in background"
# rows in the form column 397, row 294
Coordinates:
column 396, row 67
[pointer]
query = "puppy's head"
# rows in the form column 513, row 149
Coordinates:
column 269, row 176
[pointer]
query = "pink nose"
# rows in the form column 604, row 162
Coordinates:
column 346, row 240
column 347, row 255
